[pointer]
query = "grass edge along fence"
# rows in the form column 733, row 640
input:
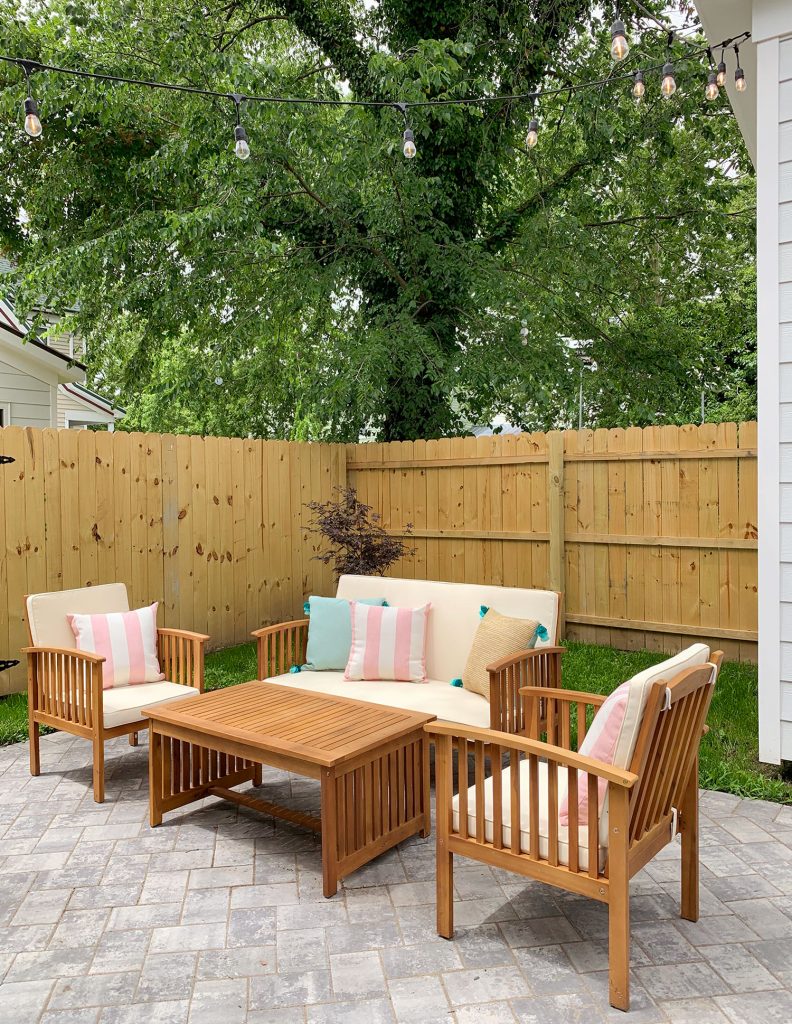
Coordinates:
column 649, row 533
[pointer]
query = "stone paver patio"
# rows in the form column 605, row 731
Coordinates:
column 217, row 917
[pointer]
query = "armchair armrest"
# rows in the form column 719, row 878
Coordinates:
column 181, row 656
column 567, row 758
column 539, row 666
column 64, row 685
column 281, row 646
column 553, row 708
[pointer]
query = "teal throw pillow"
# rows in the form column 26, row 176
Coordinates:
column 330, row 632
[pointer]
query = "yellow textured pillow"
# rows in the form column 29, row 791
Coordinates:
column 496, row 636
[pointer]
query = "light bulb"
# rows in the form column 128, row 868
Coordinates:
column 524, row 333
column 533, row 133
column 740, row 83
column 639, row 85
column 619, row 45
column 720, row 78
column 668, row 85
column 32, row 122
column 241, row 147
column 408, row 148
column 712, row 91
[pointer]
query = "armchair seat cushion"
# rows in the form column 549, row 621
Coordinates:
column 123, row 704
column 525, row 820
column 435, row 697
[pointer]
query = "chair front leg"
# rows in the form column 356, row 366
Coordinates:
column 98, row 736
column 98, row 766
column 33, row 726
column 689, row 828
column 618, row 898
column 445, row 890
column 445, row 859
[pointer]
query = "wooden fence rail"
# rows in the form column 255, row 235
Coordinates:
column 651, row 533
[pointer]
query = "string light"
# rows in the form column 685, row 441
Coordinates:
column 740, row 83
column 241, row 147
column 668, row 86
column 711, row 91
column 619, row 50
column 619, row 46
column 32, row 120
column 721, row 76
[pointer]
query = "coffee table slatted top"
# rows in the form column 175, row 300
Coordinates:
column 321, row 728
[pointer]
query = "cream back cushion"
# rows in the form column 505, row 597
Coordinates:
column 454, row 616
column 47, row 613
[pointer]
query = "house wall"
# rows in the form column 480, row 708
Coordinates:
column 73, row 409
column 30, row 399
column 772, row 29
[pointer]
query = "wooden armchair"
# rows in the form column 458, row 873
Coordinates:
column 65, row 685
column 525, row 780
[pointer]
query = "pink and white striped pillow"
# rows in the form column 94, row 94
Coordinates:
column 128, row 642
column 614, row 732
column 388, row 643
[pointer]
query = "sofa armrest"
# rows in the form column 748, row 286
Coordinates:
column 539, row 666
column 65, row 686
column 281, row 646
column 181, row 656
column 550, row 710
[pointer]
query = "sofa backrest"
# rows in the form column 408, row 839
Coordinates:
column 46, row 613
column 454, row 617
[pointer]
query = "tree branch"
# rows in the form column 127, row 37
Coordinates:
column 329, row 25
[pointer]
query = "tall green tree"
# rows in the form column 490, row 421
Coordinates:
column 328, row 287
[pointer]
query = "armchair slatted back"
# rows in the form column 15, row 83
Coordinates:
column 667, row 747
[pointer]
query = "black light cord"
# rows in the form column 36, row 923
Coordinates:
column 28, row 66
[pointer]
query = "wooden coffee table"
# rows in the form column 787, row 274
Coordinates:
column 372, row 762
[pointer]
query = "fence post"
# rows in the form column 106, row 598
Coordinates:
column 555, row 481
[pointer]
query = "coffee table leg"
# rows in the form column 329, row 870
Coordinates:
column 155, row 776
column 425, row 795
column 329, row 833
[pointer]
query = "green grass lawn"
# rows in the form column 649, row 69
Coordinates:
column 728, row 753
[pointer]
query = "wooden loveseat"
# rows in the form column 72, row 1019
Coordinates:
column 453, row 620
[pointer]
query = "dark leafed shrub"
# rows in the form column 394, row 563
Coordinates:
column 355, row 541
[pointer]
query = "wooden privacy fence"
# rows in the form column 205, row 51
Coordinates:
column 651, row 534
column 213, row 528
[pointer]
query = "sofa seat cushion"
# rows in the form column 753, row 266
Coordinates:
column 435, row 697
column 123, row 704
column 525, row 818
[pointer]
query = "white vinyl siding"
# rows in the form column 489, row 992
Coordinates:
column 28, row 398
column 785, row 386
column 73, row 409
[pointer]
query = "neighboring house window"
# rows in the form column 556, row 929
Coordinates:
column 5, row 414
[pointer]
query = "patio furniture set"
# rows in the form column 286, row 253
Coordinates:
column 572, row 789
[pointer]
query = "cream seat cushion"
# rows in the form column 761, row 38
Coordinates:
column 435, row 697
column 123, row 704
column 525, row 827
